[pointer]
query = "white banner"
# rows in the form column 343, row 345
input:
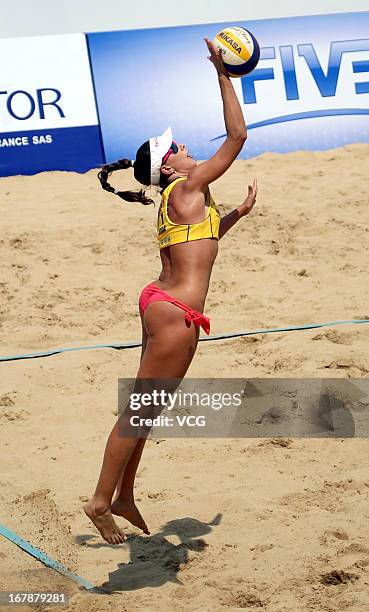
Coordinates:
column 45, row 82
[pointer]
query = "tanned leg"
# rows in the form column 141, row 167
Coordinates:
column 124, row 503
column 169, row 351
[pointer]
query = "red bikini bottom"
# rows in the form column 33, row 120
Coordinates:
column 152, row 293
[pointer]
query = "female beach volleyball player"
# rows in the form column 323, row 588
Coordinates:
column 171, row 308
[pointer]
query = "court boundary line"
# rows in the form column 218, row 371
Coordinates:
column 137, row 343
column 38, row 554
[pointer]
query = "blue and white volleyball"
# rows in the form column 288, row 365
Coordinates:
column 240, row 50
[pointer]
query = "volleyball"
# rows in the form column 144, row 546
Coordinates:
column 240, row 50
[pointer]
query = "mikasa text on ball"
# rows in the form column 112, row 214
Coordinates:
column 240, row 50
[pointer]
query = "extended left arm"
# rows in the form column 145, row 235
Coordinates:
column 229, row 220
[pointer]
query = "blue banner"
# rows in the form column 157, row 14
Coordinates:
column 309, row 91
column 77, row 149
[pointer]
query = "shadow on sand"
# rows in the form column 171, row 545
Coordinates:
column 154, row 560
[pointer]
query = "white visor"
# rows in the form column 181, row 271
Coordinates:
column 159, row 146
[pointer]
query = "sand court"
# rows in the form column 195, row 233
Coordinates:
column 271, row 524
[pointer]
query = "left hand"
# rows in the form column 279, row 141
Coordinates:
column 249, row 201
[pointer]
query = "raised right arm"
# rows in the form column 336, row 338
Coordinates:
column 210, row 170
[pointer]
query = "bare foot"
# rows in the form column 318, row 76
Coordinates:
column 105, row 523
column 130, row 512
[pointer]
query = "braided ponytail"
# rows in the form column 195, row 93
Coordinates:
column 129, row 196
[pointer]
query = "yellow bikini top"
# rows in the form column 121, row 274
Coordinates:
column 169, row 233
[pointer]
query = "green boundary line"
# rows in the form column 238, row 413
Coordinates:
column 137, row 343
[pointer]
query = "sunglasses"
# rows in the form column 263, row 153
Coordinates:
column 172, row 149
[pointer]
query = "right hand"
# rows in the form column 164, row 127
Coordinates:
column 216, row 58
